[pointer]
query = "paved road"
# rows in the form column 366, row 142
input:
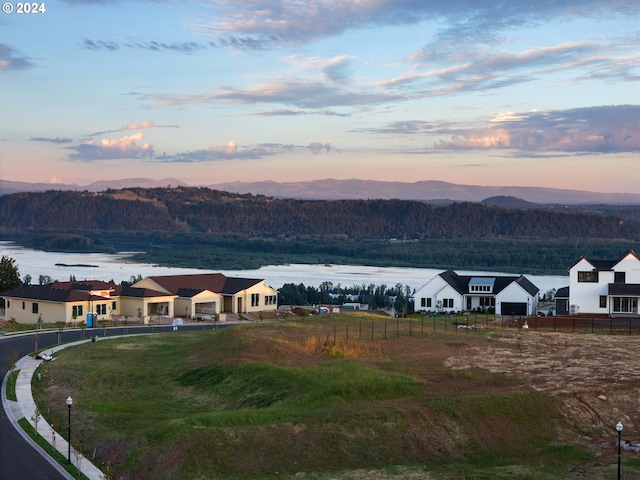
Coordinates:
column 18, row 459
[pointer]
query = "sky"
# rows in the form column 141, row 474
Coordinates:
column 513, row 92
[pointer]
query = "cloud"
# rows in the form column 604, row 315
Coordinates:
column 99, row 45
column 605, row 129
column 9, row 62
column 51, row 140
column 233, row 151
column 289, row 113
column 295, row 22
column 298, row 93
column 181, row 47
column 230, row 151
column 317, row 147
column 133, row 126
column 111, row 149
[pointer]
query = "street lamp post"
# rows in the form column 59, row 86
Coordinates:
column 69, row 403
column 619, row 429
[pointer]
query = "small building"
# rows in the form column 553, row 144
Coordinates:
column 562, row 301
column 506, row 295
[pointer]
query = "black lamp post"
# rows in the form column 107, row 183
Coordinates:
column 69, row 403
column 619, row 429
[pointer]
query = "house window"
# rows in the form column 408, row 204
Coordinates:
column 255, row 299
column 8, row 304
column 619, row 277
column 23, row 307
column 34, row 308
column 101, row 309
column 423, row 302
column 603, row 301
column 428, row 302
column 447, row 303
column 270, row 299
column 113, row 305
column 625, row 304
column 588, row 277
column 76, row 311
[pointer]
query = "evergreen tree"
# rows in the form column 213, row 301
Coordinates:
column 9, row 275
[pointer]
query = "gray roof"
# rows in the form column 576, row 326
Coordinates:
column 461, row 282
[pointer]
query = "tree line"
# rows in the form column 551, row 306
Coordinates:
column 189, row 209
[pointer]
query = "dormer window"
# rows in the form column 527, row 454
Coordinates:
column 481, row 285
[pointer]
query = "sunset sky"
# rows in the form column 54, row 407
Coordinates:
column 513, row 92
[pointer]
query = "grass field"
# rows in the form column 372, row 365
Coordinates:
column 284, row 400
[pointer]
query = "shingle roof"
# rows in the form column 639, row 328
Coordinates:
column 562, row 292
column 461, row 282
column 48, row 293
column 189, row 285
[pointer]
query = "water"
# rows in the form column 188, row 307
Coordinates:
column 119, row 267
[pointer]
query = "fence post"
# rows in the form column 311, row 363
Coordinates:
column 591, row 325
column 360, row 331
column 397, row 327
column 611, row 326
column 385, row 329
column 371, row 330
column 334, row 334
column 347, row 333
column 410, row 326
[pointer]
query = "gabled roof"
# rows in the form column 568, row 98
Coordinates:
column 605, row 265
column 562, row 292
column 187, row 286
column 50, row 294
column 135, row 292
column 461, row 282
column 84, row 285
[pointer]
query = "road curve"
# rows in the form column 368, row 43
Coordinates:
column 19, row 460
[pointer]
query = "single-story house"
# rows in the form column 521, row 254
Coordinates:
column 609, row 287
column 506, row 295
column 213, row 293
column 173, row 295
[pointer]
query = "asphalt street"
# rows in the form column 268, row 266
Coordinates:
column 18, row 459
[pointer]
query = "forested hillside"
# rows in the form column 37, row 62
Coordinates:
column 203, row 228
column 185, row 209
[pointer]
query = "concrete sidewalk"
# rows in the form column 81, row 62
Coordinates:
column 25, row 407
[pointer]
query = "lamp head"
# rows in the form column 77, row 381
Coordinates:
column 619, row 427
column 69, row 400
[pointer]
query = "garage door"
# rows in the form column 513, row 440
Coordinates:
column 513, row 308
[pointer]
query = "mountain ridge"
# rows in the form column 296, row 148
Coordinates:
column 433, row 191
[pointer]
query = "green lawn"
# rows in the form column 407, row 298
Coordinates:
column 282, row 401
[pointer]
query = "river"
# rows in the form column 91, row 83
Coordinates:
column 119, row 267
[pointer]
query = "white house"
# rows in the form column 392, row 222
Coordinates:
column 605, row 286
column 507, row 295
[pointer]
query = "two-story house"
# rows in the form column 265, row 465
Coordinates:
column 506, row 295
column 609, row 287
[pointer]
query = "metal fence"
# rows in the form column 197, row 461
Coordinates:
column 468, row 325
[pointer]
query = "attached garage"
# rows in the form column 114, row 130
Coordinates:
column 513, row 308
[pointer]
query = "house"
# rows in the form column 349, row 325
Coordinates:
column 202, row 295
column 173, row 295
column 610, row 287
column 506, row 295
column 71, row 302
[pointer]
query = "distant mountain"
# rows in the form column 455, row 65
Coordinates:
column 7, row 186
column 431, row 191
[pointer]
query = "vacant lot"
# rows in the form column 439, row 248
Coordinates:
column 284, row 400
